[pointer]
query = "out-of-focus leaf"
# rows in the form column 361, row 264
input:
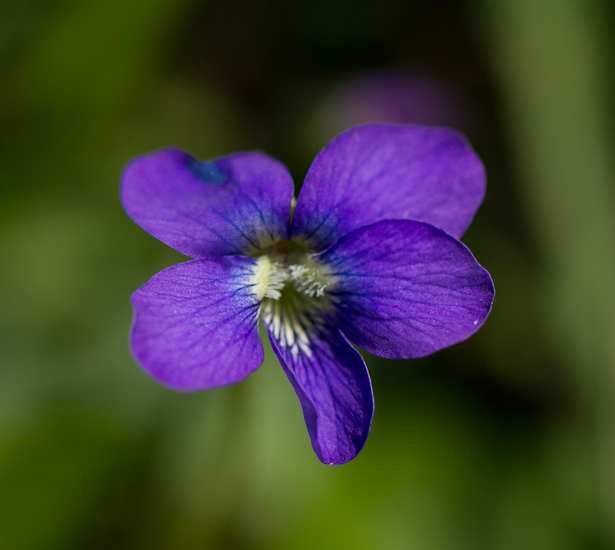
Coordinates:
column 55, row 480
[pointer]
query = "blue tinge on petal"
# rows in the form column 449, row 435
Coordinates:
column 209, row 172
column 235, row 205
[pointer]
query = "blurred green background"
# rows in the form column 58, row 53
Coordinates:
column 504, row 442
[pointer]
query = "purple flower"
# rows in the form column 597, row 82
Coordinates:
column 393, row 96
column 371, row 255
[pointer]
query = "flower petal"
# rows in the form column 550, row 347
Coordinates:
column 232, row 205
column 195, row 324
column 333, row 386
column 377, row 172
column 405, row 289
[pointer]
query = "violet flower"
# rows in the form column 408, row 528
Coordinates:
column 371, row 256
column 391, row 96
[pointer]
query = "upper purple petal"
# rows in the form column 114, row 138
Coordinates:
column 333, row 386
column 405, row 289
column 195, row 324
column 377, row 172
column 231, row 205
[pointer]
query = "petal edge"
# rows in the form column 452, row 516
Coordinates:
column 196, row 324
column 406, row 289
column 334, row 388
column 230, row 205
column 376, row 172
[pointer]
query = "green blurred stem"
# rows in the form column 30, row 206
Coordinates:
column 552, row 59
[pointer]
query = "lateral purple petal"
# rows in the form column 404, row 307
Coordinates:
column 231, row 205
column 334, row 388
column 195, row 324
column 377, row 172
column 405, row 289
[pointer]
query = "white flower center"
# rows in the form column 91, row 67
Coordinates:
column 276, row 269
column 293, row 289
column 268, row 278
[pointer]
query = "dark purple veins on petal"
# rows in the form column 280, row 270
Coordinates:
column 195, row 324
column 334, row 388
column 234, row 205
column 405, row 289
column 382, row 172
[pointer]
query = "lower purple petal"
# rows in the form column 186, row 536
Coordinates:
column 334, row 388
column 195, row 324
column 405, row 289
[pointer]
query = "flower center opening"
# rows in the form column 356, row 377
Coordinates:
column 289, row 265
column 293, row 286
